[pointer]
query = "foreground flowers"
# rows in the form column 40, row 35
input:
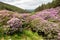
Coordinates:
column 15, row 24
column 45, row 23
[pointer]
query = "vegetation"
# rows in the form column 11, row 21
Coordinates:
column 11, row 8
column 5, row 28
column 43, row 25
column 53, row 4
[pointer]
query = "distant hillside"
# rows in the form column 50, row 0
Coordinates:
column 53, row 4
column 11, row 8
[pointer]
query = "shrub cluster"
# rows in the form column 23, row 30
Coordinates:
column 46, row 22
column 15, row 25
column 45, row 28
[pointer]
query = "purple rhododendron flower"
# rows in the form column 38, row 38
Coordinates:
column 15, row 24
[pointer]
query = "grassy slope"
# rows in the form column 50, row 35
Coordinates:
column 11, row 7
column 25, row 35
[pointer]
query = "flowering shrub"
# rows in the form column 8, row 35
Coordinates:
column 15, row 24
column 52, row 13
column 49, row 29
column 46, row 22
column 13, row 20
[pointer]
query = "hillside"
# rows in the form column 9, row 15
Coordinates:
column 11, row 8
column 43, row 25
column 53, row 4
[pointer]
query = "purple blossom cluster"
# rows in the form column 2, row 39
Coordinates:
column 15, row 24
column 52, row 13
column 41, row 22
column 13, row 20
column 49, row 29
column 46, row 21
column 24, row 16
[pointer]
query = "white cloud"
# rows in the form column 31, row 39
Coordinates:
column 26, row 4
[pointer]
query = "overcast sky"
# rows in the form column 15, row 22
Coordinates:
column 26, row 4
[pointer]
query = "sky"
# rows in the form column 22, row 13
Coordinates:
column 26, row 4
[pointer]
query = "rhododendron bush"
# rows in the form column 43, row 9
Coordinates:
column 11, row 22
column 45, row 23
column 52, row 13
column 15, row 25
column 46, row 28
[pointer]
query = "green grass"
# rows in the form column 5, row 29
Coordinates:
column 5, row 6
column 25, row 35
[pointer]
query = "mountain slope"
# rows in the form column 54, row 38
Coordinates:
column 11, row 8
column 53, row 4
